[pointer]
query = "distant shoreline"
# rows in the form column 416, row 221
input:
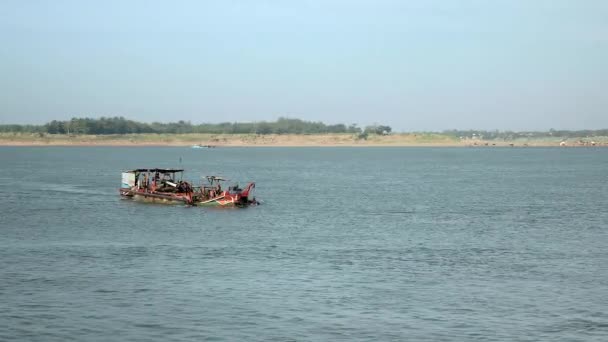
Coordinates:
column 283, row 140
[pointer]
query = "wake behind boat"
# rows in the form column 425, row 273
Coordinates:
column 168, row 186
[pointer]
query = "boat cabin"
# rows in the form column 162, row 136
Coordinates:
column 161, row 180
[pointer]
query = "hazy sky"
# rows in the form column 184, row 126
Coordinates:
column 414, row 65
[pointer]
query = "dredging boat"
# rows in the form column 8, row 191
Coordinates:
column 168, row 186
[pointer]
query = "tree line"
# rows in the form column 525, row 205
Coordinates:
column 120, row 125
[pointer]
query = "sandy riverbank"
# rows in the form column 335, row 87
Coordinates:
column 219, row 140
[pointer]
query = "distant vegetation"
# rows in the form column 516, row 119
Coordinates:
column 509, row 135
column 120, row 125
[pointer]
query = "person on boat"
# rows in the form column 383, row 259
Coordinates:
column 184, row 186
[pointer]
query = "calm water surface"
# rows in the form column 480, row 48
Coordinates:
column 376, row 244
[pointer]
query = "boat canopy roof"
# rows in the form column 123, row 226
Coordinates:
column 157, row 170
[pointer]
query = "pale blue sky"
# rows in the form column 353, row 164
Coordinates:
column 414, row 65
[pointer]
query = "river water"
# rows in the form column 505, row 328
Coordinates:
column 350, row 244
